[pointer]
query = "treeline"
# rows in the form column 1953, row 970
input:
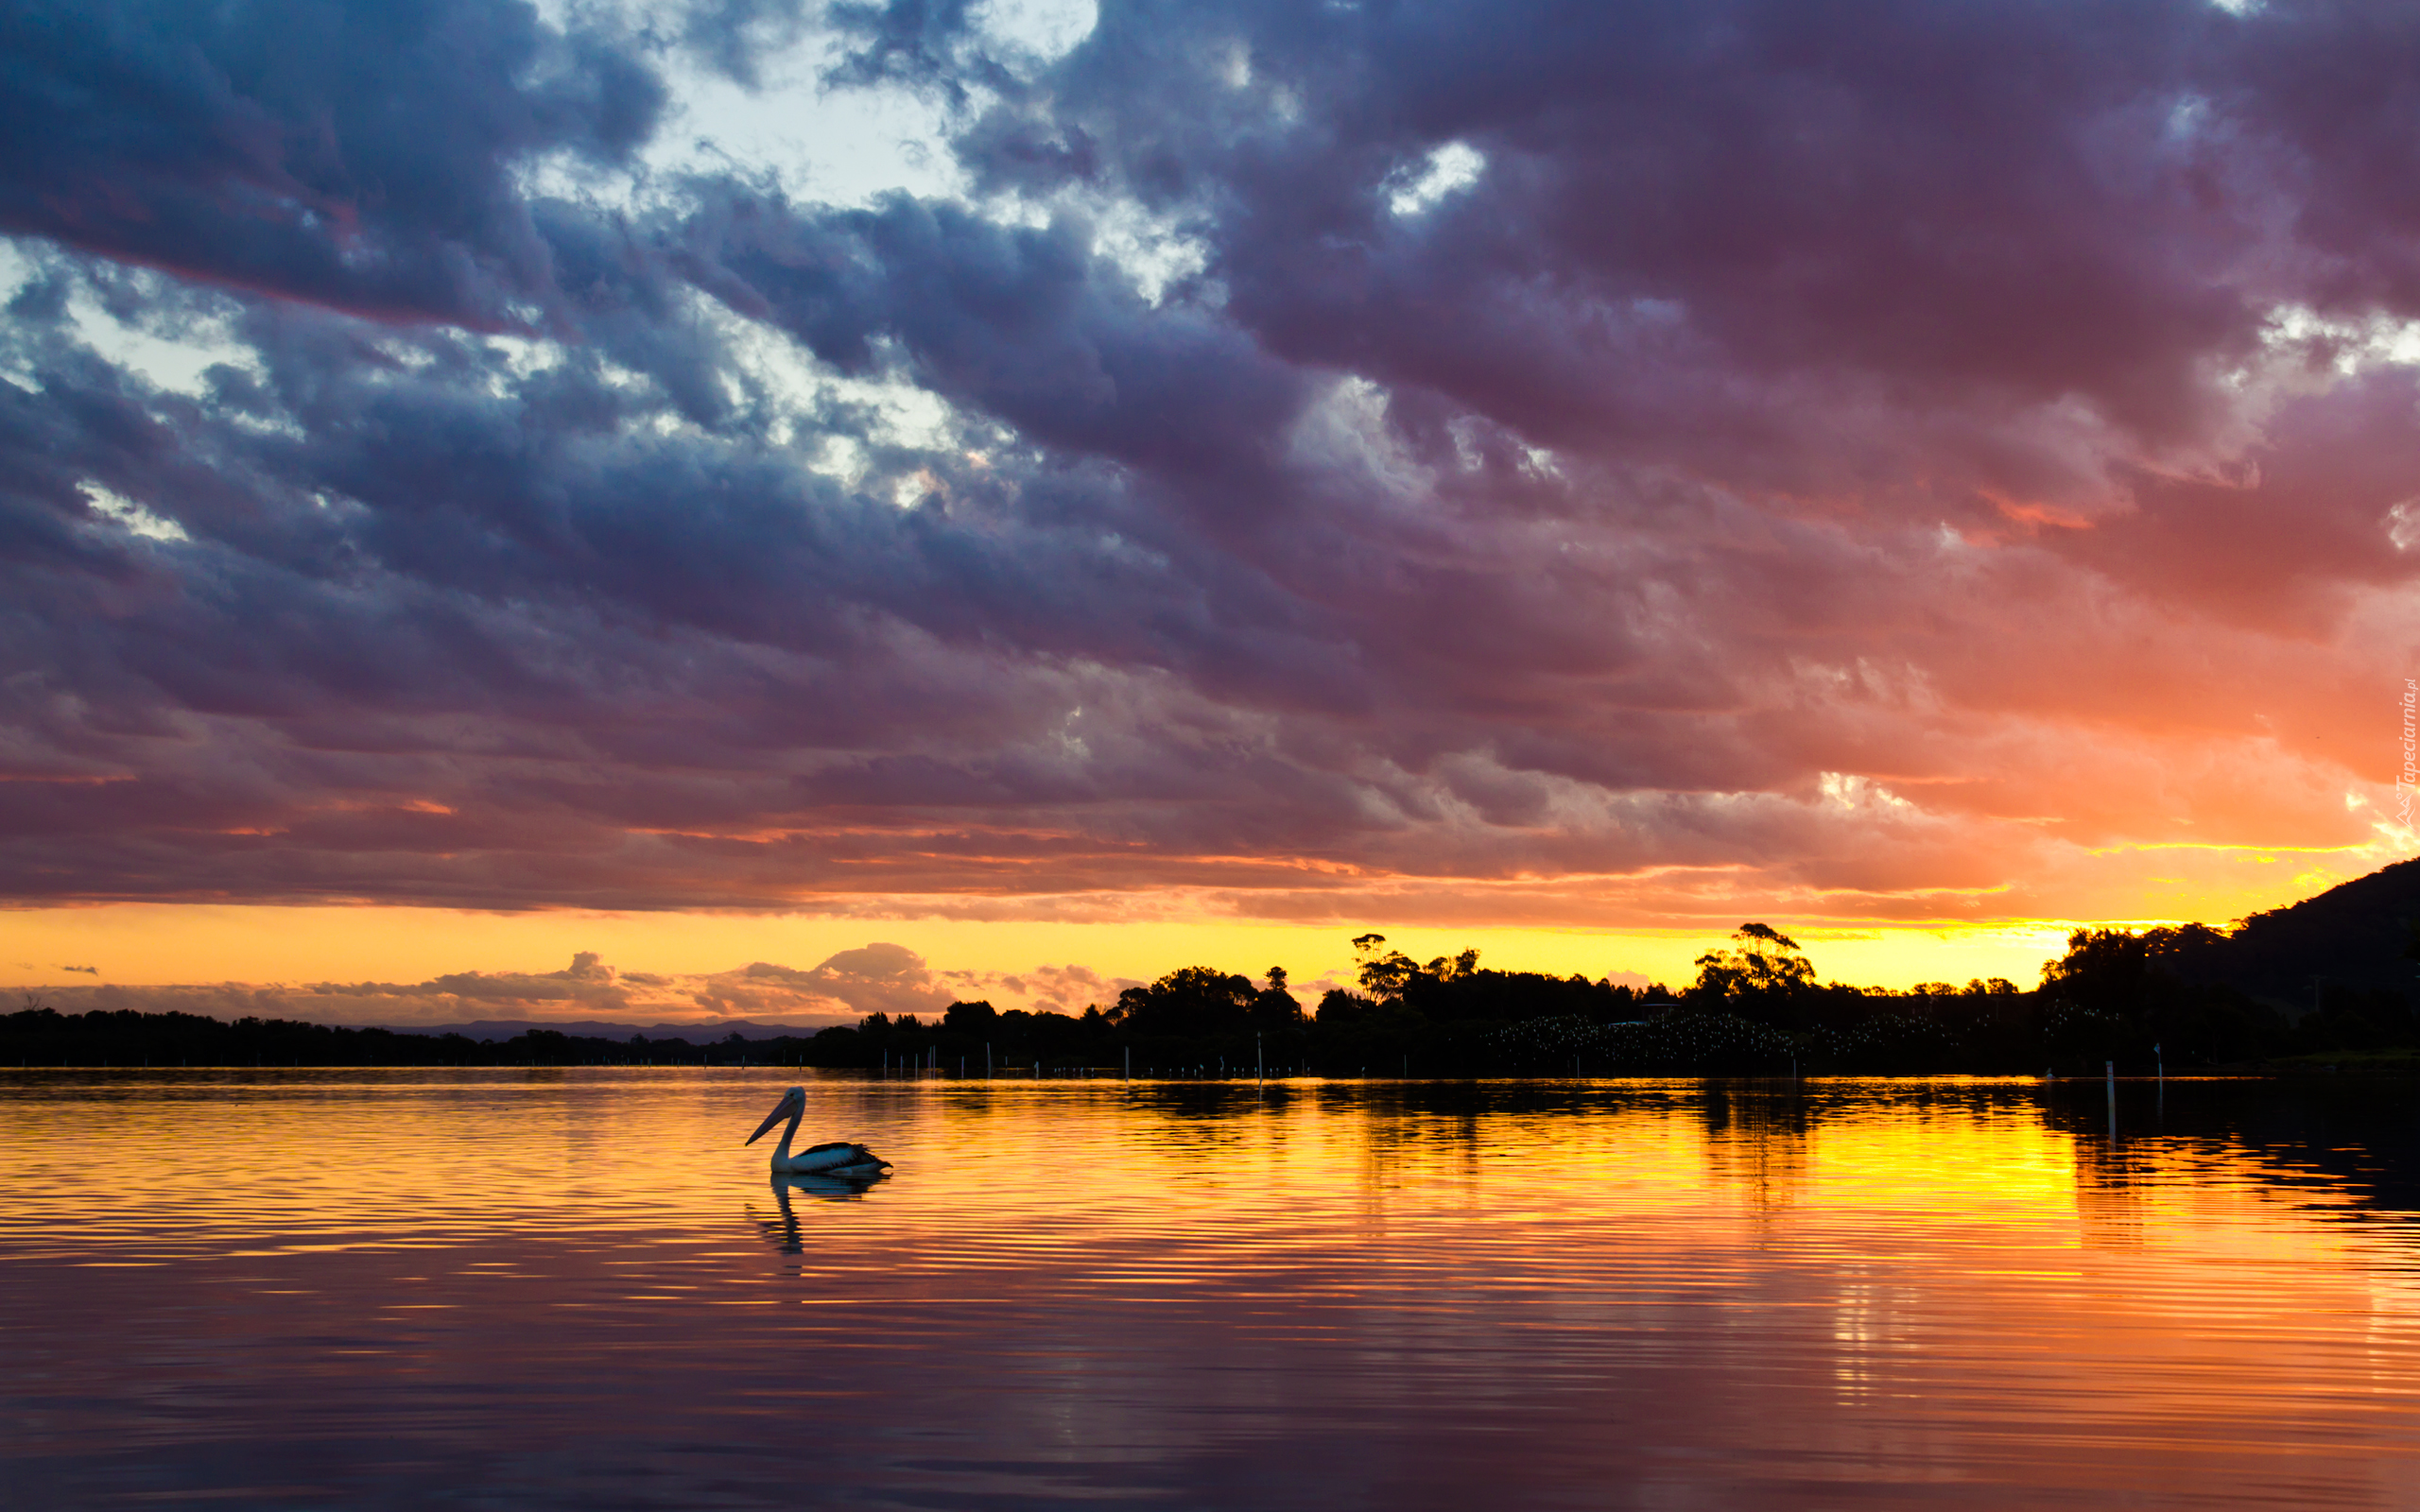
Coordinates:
column 2116, row 996
column 1755, row 1007
column 1409, row 1020
column 38, row 1036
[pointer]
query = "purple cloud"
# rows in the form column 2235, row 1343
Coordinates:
column 1607, row 464
column 841, row 988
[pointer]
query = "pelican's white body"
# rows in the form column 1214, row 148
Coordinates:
column 838, row 1157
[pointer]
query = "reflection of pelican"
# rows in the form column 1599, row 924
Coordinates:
column 826, row 1185
column 838, row 1158
column 784, row 1232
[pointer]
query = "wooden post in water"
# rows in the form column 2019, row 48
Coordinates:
column 2109, row 1071
column 1129, row 1062
column 987, row 1060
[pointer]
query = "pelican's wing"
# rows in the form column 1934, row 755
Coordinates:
column 823, row 1157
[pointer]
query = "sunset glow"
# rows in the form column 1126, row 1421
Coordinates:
column 775, row 512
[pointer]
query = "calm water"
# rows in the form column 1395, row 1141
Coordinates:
column 575, row 1288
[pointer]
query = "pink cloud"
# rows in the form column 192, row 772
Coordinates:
column 1779, row 480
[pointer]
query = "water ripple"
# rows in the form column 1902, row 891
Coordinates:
column 547, row 1288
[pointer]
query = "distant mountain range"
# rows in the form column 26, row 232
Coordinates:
column 2352, row 934
column 697, row 1034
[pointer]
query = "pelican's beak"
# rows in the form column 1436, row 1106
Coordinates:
column 781, row 1110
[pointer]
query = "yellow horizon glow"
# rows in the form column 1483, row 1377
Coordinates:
column 187, row 944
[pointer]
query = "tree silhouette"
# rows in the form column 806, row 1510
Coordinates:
column 1195, row 1001
column 1763, row 964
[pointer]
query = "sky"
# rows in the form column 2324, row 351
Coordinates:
column 797, row 509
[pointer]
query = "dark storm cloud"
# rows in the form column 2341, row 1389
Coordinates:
column 919, row 42
column 1027, row 325
column 1695, row 220
column 736, row 36
column 360, row 156
column 1571, row 442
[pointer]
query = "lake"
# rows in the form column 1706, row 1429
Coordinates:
column 575, row 1288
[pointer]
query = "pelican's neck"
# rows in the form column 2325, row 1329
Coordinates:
column 790, row 1131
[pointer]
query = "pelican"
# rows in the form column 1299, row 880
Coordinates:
column 840, row 1157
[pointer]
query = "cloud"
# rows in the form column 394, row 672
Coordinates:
column 842, row 988
column 1069, row 989
column 360, row 157
column 1614, row 468
column 876, row 979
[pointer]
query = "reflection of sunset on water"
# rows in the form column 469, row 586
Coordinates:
column 1755, row 1293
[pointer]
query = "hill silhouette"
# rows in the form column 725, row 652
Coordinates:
column 2352, row 936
